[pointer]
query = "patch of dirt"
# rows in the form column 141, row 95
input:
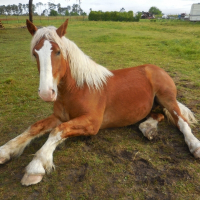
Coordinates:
column 34, row 195
column 152, row 179
column 78, row 174
column 189, row 85
column 176, row 175
column 126, row 154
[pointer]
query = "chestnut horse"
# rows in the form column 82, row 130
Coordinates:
column 88, row 97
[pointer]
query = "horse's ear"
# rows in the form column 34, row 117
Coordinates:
column 31, row 27
column 62, row 29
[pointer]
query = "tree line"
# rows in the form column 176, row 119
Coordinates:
column 50, row 9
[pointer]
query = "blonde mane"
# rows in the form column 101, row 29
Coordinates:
column 83, row 69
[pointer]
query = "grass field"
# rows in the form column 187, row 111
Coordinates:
column 116, row 163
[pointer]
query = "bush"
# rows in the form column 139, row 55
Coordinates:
column 113, row 16
column 53, row 13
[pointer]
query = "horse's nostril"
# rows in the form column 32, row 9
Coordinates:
column 53, row 91
column 39, row 91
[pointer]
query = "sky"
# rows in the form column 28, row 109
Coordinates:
column 166, row 6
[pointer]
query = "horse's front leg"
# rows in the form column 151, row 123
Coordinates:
column 16, row 146
column 43, row 159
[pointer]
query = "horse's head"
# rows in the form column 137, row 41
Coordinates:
column 49, row 57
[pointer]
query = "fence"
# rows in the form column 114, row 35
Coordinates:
column 21, row 19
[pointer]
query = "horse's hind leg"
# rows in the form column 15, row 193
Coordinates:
column 181, row 120
column 149, row 127
column 165, row 95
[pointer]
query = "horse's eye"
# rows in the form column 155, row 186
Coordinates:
column 58, row 53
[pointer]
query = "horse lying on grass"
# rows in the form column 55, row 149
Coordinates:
column 88, row 97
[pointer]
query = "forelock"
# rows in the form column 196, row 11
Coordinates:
column 49, row 33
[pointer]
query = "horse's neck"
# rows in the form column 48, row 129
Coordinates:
column 84, row 70
column 67, row 82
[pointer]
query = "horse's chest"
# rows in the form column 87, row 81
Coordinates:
column 62, row 113
column 65, row 116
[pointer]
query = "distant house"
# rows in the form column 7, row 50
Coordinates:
column 195, row 12
column 122, row 10
column 181, row 16
column 165, row 17
column 147, row 15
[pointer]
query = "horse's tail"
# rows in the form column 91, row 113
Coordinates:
column 186, row 112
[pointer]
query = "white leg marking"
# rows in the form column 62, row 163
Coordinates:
column 15, row 147
column 44, row 157
column 43, row 160
column 149, row 128
column 192, row 142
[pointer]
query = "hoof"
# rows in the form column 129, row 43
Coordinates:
column 149, row 130
column 31, row 179
column 3, row 160
column 197, row 153
column 151, row 133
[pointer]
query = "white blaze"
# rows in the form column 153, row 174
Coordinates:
column 46, row 76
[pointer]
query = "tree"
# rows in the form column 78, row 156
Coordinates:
column 52, row 6
column 15, row 9
column 75, row 8
column 53, row 13
column 2, row 10
column 67, row 13
column 39, row 7
column 80, row 11
column 154, row 10
column 59, row 8
column 68, row 8
column 26, row 8
column 20, row 8
column 84, row 14
column 33, row 8
column 45, row 12
column 8, row 9
column 74, row 13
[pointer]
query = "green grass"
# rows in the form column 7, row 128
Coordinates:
column 116, row 163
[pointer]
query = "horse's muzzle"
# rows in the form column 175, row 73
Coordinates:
column 48, row 95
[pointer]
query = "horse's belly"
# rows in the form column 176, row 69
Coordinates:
column 128, row 105
column 126, row 116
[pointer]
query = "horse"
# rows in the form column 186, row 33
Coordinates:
column 88, row 97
